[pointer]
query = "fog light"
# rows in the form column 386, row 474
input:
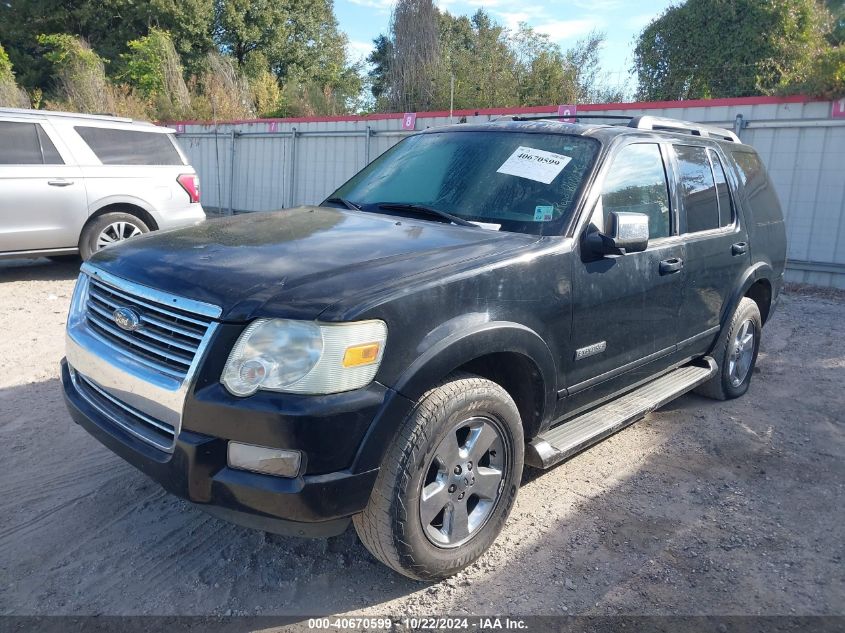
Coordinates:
column 268, row 461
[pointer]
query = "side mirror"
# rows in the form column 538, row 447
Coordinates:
column 626, row 233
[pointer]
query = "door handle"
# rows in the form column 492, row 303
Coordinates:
column 740, row 248
column 60, row 183
column 671, row 265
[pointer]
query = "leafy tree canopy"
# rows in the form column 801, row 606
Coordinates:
column 429, row 53
column 107, row 25
column 731, row 48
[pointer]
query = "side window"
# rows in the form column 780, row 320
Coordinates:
column 19, row 144
column 129, row 147
column 48, row 150
column 698, row 188
column 723, row 192
column 636, row 183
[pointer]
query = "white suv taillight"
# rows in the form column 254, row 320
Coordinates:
column 191, row 184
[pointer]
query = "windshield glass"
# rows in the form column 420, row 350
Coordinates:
column 514, row 181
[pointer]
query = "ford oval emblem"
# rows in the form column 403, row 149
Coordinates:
column 127, row 319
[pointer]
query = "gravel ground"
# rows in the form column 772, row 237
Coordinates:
column 701, row 508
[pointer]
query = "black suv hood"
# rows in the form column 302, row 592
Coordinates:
column 296, row 262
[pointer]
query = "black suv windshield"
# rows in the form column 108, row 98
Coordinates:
column 516, row 181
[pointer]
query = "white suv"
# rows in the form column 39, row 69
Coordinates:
column 76, row 183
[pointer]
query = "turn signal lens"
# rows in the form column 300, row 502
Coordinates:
column 361, row 355
column 259, row 459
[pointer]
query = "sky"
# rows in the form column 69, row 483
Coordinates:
column 564, row 21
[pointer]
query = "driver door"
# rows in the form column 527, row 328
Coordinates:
column 626, row 307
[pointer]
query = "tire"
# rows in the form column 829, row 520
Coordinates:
column 126, row 225
column 464, row 412
column 736, row 364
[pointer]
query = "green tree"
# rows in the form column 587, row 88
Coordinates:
column 379, row 59
column 79, row 72
column 5, row 65
column 415, row 59
column 154, row 68
column 242, row 27
column 486, row 64
column 11, row 95
column 298, row 40
column 81, row 82
column 826, row 78
column 729, row 48
column 107, row 25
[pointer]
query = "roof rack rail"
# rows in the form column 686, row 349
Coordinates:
column 575, row 117
column 648, row 122
column 74, row 115
column 663, row 124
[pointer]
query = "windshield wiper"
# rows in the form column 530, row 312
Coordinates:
column 421, row 208
column 347, row 203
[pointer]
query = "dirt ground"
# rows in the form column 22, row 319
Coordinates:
column 702, row 508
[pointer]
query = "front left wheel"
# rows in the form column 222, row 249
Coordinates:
column 448, row 482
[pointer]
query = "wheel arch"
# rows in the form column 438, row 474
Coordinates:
column 761, row 293
column 510, row 354
column 756, row 283
column 136, row 208
column 486, row 349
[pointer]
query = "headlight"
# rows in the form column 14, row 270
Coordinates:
column 304, row 356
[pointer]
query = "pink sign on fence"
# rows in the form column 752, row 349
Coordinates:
column 838, row 110
column 566, row 112
column 180, row 128
column 273, row 127
column 409, row 121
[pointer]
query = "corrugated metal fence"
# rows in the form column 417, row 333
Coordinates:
column 270, row 164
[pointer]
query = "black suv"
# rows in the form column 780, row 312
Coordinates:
column 477, row 298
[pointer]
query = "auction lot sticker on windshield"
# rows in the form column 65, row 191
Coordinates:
column 534, row 164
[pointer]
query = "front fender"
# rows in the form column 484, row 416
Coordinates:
column 445, row 355
column 441, row 357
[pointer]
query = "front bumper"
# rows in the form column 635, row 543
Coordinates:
column 197, row 470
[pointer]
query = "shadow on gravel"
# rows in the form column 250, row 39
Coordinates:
column 737, row 511
column 42, row 269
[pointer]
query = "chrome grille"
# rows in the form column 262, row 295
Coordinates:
column 168, row 337
column 155, row 432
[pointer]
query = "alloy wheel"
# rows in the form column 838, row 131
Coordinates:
column 742, row 353
column 116, row 232
column 463, row 482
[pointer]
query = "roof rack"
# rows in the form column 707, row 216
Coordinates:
column 648, row 122
column 576, row 116
column 74, row 115
column 663, row 124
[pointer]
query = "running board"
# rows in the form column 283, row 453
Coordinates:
column 573, row 436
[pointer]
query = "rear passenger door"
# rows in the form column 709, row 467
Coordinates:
column 43, row 201
column 717, row 250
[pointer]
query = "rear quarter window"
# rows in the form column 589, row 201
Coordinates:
column 756, row 188
column 129, row 147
